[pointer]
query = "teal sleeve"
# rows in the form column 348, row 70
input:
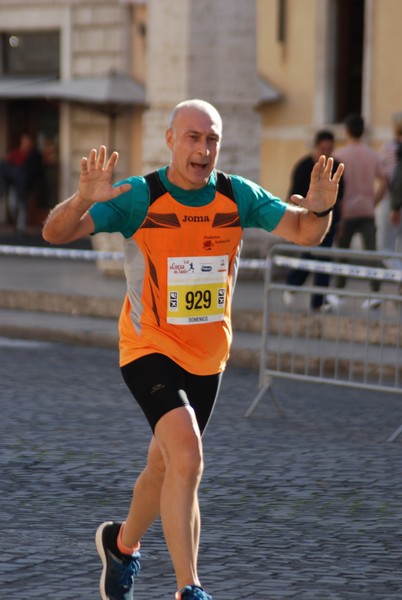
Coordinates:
column 126, row 212
column 257, row 207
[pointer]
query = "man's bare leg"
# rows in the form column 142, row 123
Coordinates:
column 171, row 486
column 145, row 505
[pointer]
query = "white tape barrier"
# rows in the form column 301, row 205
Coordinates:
column 92, row 255
column 320, row 266
column 315, row 266
column 37, row 252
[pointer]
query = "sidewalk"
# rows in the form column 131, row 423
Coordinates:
column 73, row 301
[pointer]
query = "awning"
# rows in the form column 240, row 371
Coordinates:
column 16, row 88
column 110, row 94
column 114, row 88
column 111, row 89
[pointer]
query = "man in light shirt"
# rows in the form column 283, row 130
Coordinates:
column 362, row 172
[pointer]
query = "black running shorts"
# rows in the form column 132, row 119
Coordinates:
column 159, row 385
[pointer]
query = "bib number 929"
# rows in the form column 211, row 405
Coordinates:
column 198, row 299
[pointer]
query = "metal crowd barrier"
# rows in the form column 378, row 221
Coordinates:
column 342, row 344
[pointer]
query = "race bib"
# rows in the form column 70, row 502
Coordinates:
column 196, row 289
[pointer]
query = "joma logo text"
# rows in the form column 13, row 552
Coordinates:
column 192, row 219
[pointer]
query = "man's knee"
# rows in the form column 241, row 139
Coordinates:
column 188, row 462
column 180, row 443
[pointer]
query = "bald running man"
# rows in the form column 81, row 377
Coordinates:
column 182, row 227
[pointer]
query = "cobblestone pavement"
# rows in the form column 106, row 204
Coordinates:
column 305, row 507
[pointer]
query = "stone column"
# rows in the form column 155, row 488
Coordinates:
column 204, row 49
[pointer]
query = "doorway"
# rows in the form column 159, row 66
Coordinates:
column 39, row 118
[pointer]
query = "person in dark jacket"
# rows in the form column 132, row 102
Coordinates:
column 21, row 169
column 324, row 141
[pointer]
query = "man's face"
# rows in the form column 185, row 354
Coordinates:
column 325, row 147
column 194, row 141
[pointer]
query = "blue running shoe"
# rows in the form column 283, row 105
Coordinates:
column 192, row 592
column 119, row 570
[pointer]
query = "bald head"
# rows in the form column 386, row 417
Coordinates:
column 196, row 105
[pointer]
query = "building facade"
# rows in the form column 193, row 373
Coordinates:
column 327, row 58
column 276, row 69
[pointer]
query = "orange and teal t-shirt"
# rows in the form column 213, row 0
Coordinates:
column 181, row 263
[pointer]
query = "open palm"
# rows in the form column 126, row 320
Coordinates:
column 323, row 188
column 95, row 184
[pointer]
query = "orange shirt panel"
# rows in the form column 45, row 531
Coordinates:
column 179, row 295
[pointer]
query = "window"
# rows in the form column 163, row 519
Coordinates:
column 348, row 74
column 29, row 53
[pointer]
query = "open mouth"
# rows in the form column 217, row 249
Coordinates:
column 201, row 168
